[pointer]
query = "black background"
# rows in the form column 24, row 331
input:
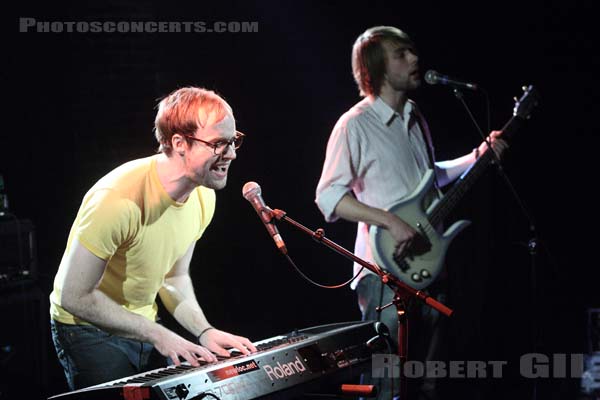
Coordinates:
column 77, row 105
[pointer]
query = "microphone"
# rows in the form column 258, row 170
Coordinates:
column 251, row 192
column 433, row 77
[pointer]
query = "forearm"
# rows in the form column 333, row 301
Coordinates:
column 98, row 309
column 349, row 208
column 448, row 171
column 177, row 295
column 353, row 210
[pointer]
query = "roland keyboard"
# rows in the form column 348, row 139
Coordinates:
column 285, row 366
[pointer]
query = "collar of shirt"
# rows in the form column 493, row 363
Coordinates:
column 387, row 114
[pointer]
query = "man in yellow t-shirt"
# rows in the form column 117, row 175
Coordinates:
column 133, row 239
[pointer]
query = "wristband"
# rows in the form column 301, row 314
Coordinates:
column 203, row 332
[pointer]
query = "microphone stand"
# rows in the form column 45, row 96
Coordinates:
column 402, row 291
column 532, row 243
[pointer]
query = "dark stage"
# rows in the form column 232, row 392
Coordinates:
column 79, row 104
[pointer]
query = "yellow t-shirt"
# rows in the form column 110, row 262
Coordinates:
column 128, row 218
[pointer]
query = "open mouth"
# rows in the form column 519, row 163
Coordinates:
column 221, row 169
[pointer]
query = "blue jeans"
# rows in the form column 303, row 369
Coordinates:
column 90, row 356
column 425, row 333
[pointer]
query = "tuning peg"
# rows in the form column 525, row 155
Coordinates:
column 515, row 99
column 524, row 88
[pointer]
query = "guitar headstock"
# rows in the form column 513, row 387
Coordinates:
column 528, row 101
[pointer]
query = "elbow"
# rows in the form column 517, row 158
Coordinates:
column 329, row 202
column 75, row 303
column 329, row 213
column 68, row 301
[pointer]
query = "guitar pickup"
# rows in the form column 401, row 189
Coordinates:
column 402, row 264
column 421, row 244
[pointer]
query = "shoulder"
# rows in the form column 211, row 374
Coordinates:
column 109, row 205
column 118, row 192
column 358, row 113
column 354, row 121
column 127, row 177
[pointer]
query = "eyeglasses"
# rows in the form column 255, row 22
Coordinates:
column 222, row 145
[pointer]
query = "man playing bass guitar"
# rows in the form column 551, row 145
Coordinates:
column 378, row 153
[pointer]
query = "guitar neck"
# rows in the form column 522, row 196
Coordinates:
column 464, row 183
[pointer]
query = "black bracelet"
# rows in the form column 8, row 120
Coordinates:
column 203, row 332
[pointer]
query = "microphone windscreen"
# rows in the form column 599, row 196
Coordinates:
column 250, row 188
column 431, row 77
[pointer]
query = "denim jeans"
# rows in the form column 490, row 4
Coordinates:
column 425, row 331
column 90, row 356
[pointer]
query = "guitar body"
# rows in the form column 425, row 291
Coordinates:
column 422, row 267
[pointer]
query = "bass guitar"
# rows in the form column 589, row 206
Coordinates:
column 425, row 260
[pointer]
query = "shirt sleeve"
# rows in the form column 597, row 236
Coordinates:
column 105, row 222
column 339, row 169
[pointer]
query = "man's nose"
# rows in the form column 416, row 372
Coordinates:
column 229, row 152
column 414, row 57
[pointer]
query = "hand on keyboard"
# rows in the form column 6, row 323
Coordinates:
column 218, row 341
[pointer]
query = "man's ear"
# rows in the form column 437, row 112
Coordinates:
column 179, row 144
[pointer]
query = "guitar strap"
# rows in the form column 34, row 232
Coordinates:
column 427, row 138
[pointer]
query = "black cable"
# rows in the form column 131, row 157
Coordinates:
column 303, row 275
column 203, row 395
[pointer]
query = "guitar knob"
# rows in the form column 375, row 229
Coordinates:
column 416, row 277
column 425, row 274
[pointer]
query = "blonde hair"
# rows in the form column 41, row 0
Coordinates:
column 184, row 111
